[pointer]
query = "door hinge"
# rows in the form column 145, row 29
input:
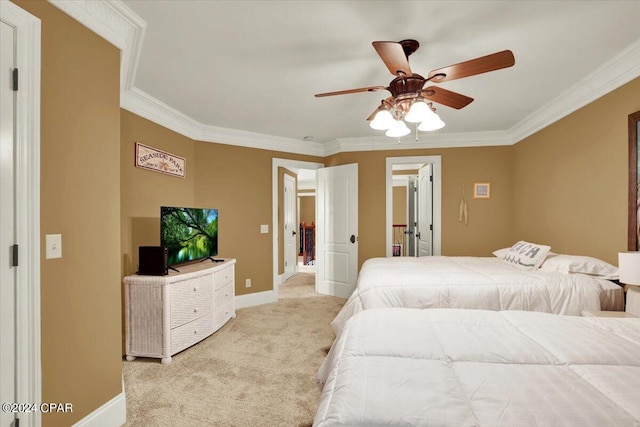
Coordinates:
column 431, row 178
column 14, row 255
column 15, row 79
column 431, row 227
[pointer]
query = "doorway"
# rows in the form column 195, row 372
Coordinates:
column 305, row 173
column 423, row 219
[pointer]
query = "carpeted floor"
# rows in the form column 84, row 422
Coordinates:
column 258, row 370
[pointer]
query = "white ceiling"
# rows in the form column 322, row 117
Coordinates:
column 254, row 66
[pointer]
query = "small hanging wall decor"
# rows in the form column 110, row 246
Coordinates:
column 481, row 190
column 159, row 161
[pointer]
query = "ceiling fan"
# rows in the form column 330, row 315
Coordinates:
column 409, row 99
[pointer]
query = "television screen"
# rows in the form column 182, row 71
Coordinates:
column 189, row 234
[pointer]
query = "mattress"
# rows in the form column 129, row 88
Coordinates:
column 475, row 283
column 392, row 367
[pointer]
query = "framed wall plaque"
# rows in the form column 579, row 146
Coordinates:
column 159, row 161
column 481, row 190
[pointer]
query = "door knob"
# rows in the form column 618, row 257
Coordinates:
column 352, row 239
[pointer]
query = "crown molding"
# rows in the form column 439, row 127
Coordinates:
column 116, row 23
column 144, row 105
column 621, row 69
column 425, row 140
column 119, row 25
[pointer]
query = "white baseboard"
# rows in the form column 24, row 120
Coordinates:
column 111, row 414
column 257, row 298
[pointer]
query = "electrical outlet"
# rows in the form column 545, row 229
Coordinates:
column 264, row 228
column 247, row 283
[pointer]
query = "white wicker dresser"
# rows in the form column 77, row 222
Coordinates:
column 166, row 314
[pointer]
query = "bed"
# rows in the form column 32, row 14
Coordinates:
column 483, row 283
column 409, row 367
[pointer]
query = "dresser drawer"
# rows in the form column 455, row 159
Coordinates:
column 222, row 315
column 223, row 296
column 191, row 333
column 223, row 277
column 190, row 299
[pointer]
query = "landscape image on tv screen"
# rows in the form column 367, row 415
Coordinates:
column 189, row 234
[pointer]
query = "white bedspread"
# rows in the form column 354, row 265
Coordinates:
column 454, row 367
column 472, row 282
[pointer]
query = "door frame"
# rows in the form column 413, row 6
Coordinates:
column 27, row 176
column 436, row 161
column 293, row 165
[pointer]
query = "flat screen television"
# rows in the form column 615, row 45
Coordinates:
column 189, row 234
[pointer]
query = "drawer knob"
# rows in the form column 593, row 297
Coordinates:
column 195, row 332
column 195, row 289
column 195, row 310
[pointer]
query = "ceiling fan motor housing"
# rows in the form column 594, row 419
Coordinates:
column 407, row 85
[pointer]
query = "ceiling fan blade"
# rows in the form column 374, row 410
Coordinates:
column 344, row 92
column 446, row 97
column 484, row 64
column 393, row 56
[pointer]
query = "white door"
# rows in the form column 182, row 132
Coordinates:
column 337, row 230
column 290, row 227
column 425, row 211
column 7, row 224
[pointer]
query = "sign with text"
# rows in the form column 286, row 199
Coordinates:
column 159, row 161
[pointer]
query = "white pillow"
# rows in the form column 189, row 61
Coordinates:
column 580, row 264
column 525, row 255
column 500, row 253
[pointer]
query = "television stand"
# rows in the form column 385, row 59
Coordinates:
column 167, row 314
column 212, row 259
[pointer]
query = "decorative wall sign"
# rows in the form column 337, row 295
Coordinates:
column 481, row 190
column 159, row 161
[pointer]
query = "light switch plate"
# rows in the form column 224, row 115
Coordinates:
column 53, row 244
column 264, row 228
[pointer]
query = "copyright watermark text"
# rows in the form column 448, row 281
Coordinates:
column 24, row 408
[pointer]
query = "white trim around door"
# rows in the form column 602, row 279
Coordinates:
column 293, row 165
column 27, row 176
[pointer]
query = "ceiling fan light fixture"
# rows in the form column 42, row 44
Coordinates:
column 433, row 122
column 419, row 112
column 383, row 120
column 398, row 129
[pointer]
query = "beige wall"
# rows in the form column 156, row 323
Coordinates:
column 238, row 181
column 490, row 220
column 234, row 180
column 142, row 191
column 400, row 205
column 307, row 209
column 571, row 180
column 80, row 199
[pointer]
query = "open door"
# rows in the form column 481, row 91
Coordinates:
column 337, row 230
column 424, row 234
column 290, row 227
